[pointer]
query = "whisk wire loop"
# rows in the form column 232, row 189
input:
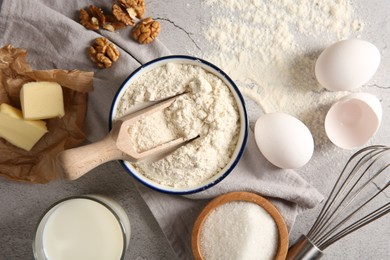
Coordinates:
column 328, row 239
column 342, row 206
column 378, row 213
column 353, row 182
column 330, row 201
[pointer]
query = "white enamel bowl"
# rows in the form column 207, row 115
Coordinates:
column 243, row 132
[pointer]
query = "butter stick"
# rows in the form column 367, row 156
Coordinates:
column 18, row 131
column 42, row 100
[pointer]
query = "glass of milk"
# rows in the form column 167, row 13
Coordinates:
column 82, row 227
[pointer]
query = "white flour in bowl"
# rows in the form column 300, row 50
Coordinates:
column 207, row 110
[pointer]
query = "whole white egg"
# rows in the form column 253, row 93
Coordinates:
column 347, row 64
column 284, row 140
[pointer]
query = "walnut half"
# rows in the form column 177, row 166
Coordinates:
column 146, row 30
column 134, row 7
column 93, row 19
column 91, row 23
column 121, row 15
column 103, row 53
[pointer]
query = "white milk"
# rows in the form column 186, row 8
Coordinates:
column 81, row 228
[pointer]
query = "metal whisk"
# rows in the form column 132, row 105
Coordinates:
column 365, row 176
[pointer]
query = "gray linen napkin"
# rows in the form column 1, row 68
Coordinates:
column 51, row 33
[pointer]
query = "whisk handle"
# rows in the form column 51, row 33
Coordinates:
column 304, row 249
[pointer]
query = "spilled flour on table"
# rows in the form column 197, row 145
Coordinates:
column 259, row 44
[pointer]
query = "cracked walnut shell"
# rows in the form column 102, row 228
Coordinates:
column 146, row 30
column 103, row 53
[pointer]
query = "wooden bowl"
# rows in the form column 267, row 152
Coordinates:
column 241, row 196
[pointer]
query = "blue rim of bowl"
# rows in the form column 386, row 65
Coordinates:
column 246, row 122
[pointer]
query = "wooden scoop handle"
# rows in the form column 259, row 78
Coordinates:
column 76, row 162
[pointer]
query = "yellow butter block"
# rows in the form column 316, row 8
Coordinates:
column 42, row 100
column 18, row 131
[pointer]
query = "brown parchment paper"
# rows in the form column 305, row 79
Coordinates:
column 38, row 165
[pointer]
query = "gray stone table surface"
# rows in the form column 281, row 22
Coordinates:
column 22, row 204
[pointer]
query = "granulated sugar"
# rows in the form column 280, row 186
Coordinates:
column 259, row 43
column 208, row 110
column 239, row 230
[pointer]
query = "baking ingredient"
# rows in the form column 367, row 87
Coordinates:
column 18, row 131
column 150, row 132
column 127, row 11
column 103, row 53
column 353, row 120
column 96, row 19
column 208, row 110
column 36, row 168
column 284, row 140
column 146, row 30
column 239, row 230
column 269, row 48
column 121, row 15
column 124, row 13
column 88, row 21
column 42, row 100
column 347, row 64
column 135, row 8
column 82, row 229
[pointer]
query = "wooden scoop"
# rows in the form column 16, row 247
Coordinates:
column 117, row 145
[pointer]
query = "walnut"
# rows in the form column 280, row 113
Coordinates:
column 109, row 27
column 121, row 15
column 98, row 13
column 87, row 21
column 135, row 8
column 146, row 30
column 124, row 13
column 112, row 24
column 112, row 52
column 103, row 53
column 103, row 61
column 95, row 19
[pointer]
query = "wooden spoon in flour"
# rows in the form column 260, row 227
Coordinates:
column 76, row 162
